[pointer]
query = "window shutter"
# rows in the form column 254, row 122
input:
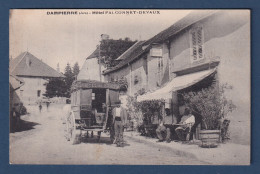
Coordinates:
column 196, row 44
column 200, row 43
column 86, row 97
column 113, row 96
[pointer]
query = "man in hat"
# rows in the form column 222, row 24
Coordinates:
column 119, row 120
column 163, row 131
column 186, row 123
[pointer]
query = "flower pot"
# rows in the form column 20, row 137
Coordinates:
column 209, row 138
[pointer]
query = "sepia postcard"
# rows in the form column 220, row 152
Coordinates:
column 130, row 86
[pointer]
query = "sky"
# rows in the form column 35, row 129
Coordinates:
column 71, row 38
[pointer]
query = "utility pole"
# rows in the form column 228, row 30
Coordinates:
column 103, row 37
column 99, row 60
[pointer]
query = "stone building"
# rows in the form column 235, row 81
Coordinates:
column 34, row 74
column 187, row 55
column 91, row 70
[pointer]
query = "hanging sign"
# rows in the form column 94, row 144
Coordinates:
column 156, row 52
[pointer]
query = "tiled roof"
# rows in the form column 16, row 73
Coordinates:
column 180, row 25
column 133, row 56
column 183, row 23
column 130, row 51
column 15, row 82
column 95, row 54
column 27, row 64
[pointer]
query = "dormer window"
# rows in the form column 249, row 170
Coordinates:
column 28, row 61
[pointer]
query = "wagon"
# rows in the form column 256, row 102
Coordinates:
column 91, row 106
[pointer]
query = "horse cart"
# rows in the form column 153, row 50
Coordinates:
column 91, row 106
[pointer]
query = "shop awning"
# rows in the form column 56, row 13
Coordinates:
column 179, row 82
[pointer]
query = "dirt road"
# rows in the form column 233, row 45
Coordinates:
column 41, row 141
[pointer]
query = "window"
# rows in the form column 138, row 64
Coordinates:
column 136, row 80
column 160, row 70
column 160, row 64
column 93, row 96
column 112, row 78
column 196, row 44
column 28, row 61
column 38, row 93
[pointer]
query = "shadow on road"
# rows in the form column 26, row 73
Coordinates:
column 22, row 125
column 102, row 140
column 94, row 140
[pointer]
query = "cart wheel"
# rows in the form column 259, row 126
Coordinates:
column 67, row 128
column 74, row 135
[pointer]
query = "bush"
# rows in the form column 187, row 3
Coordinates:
column 23, row 110
column 144, row 112
column 151, row 109
column 133, row 110
column 211, row 103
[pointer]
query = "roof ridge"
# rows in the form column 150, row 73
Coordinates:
column 130, row 48
column 47, row 66
column 38, row 67
column 196, row 15
column 13, row 68
column 210, row 12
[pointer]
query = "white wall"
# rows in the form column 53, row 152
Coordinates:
column 226, row 35
column 90, row 70
column 28, row 92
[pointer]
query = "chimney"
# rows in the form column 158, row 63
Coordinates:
column 104, row 37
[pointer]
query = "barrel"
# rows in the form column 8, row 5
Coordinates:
column 209, row 138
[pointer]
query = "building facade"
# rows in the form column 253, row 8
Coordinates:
column 35, row 75
column 191, row 50
column 91, row 69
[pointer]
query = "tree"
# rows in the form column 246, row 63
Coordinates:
column 55, row 88
column 69, row 77
column 76, row 69
column 211, row 103
column 60, row 87
column 111, row 49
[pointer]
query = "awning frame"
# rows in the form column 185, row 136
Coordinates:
column 176, row 84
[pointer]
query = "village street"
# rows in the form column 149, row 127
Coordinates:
column 42, row 141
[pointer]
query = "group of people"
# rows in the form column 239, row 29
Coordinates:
column 182, row 129
column 47, row 105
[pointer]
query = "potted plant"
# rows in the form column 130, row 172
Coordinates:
column 213, row 106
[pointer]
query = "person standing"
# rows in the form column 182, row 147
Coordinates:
column 17, row 114
column 40, row 107
column 119, row 119
column 48, row 104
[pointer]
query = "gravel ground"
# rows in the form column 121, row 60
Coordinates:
column 41, row 140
